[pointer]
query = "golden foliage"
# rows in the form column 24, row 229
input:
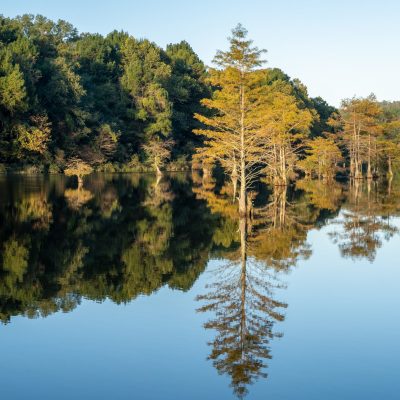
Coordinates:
column 323, row 157
column 35, row 138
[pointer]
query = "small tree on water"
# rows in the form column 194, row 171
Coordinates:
column 77, row 167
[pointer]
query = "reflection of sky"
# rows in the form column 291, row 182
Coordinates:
column 342, row 326
column 340, row 340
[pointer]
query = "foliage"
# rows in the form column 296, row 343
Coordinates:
column 99, row 98
column 287, row 125
column 186, row 87
column 360, row 127
column 323, row 157
column 145, row 78
column 35, row 138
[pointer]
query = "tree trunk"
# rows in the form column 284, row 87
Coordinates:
column 352, row 167
column 281, row 174
column 283, row 179
column 158, row 170
column 390, row 171
column 282, row 207
column 369, row 189
column 369, row 169
column 358, row 172
column 158, row 179
column 242, row 198
column 80, row 182
column 356, row 190
column 234, row 178
column 234, row 184
column 234, row 173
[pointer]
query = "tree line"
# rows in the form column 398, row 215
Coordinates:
column 114, row 102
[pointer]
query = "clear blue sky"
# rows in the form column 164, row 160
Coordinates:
column 337, row 48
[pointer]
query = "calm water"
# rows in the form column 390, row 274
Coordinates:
column 135, row 289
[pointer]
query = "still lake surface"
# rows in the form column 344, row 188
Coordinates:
column 131, row 288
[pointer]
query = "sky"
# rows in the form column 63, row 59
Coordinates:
column 338, row 48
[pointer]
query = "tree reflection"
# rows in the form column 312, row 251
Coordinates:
column 241, row 300
column 322, row 194
column 366, row 219
column 280, row 228
column 130, row 236
column 76, row 198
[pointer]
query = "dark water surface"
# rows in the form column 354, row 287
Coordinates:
column 129, row 288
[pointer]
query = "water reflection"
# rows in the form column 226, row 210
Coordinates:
column 272, row 238
column 366, row 219
column 244, row 309
column 119, row 237
column 262, row 247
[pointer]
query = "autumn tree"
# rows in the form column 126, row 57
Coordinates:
column 389, row 151
column 389, row 142
column 286, row 127
column 360, row 127
column 232, row 134
column 158, row 151
column 323, row 157
column 77, row 167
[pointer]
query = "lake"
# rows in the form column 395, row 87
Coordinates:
column 138, row 288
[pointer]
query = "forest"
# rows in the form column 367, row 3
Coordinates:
column 74, row 103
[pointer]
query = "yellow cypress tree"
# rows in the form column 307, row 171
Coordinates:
column 323, row 156
column 359, row 120
column 233, row 132
column 286, row 125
